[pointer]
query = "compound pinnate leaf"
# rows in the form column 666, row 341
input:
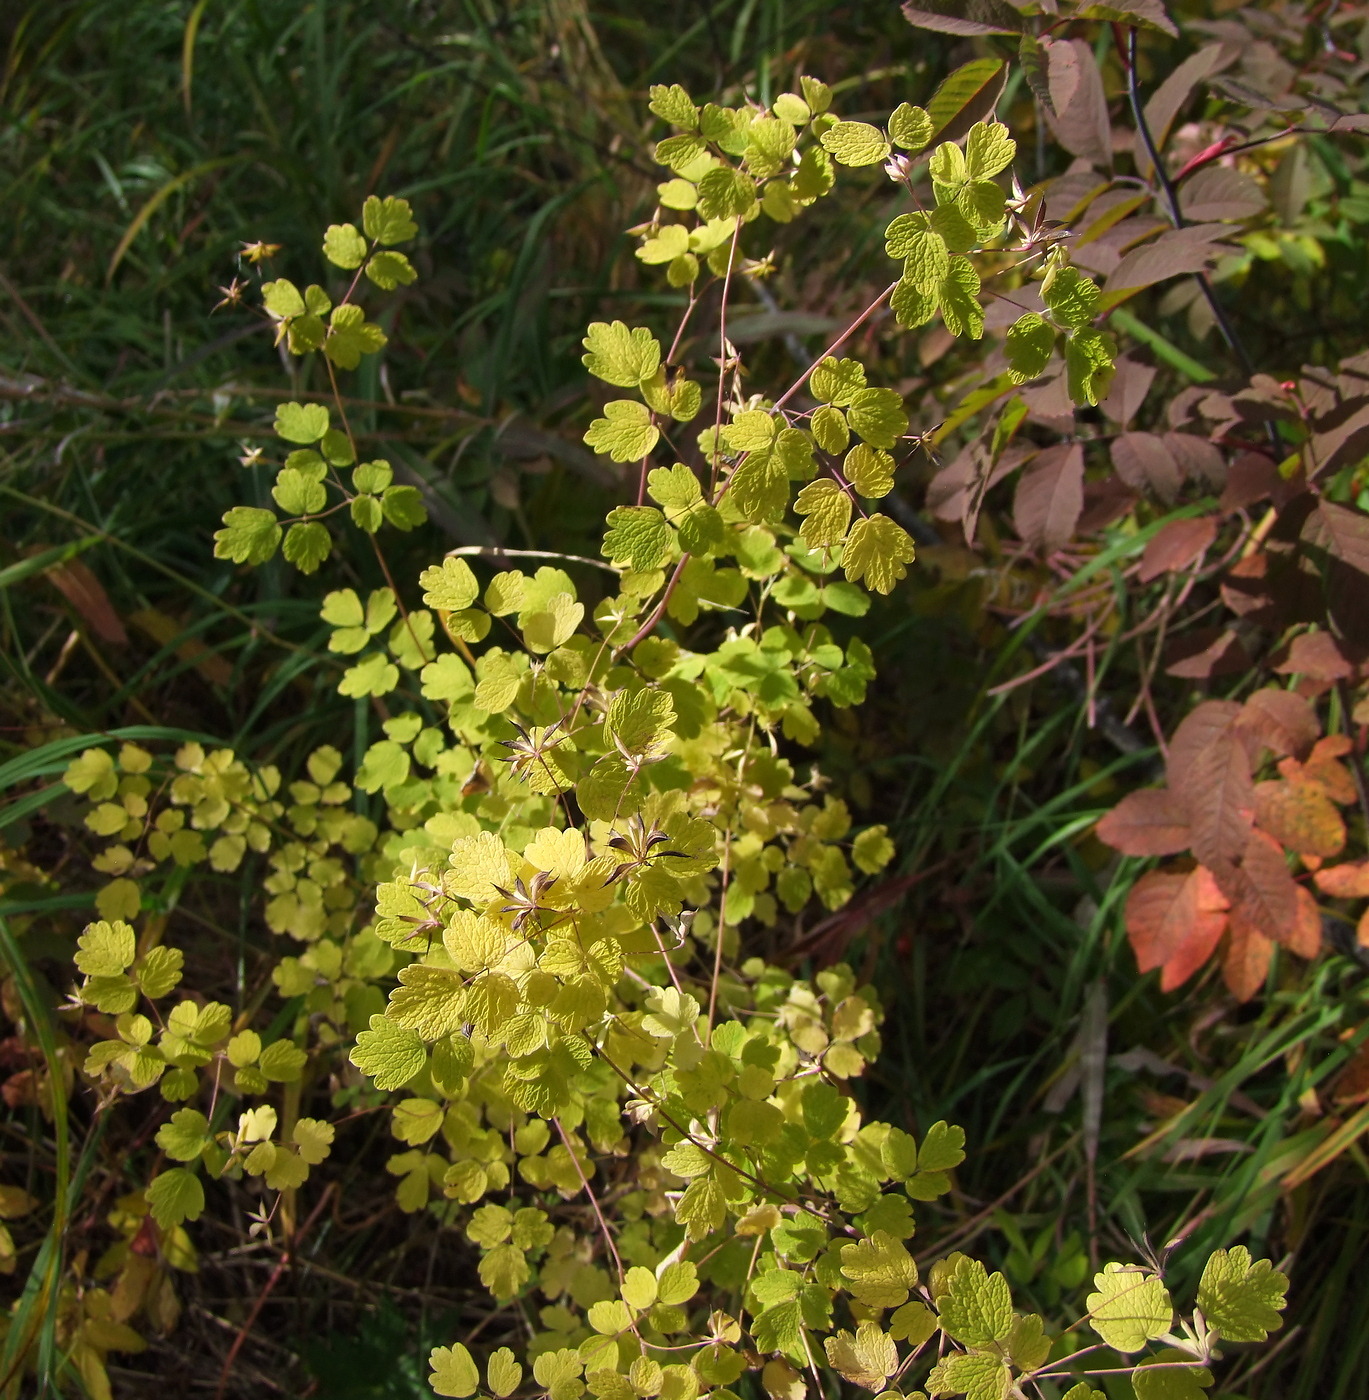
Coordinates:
column 855, row 143
column 1241, row 1300
column 250, row 535
column 877, row 551
column 976, row 1306
column 1130, row 1308
column 350, row 336
column 174, row 1197
column 388, row 220
column 625, row 433
column 454, row 1372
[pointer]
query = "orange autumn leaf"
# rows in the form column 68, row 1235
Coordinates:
column 1150, row 822
column 1248, row 953
column 1174, row 922
column 1347, row 881
column 1300, row 816
column 1304, row 933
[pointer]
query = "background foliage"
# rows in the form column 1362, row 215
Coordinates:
column 1026, row 680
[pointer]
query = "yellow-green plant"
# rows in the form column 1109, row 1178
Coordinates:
column 589, row 803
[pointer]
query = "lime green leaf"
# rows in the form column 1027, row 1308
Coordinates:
column 910, row 127
column 552, row 626
column 1130, row 1308
column 639, row 1288
column 350, row 336
column 1071, row 297
column 621, row 356
column 912, row 307
column 372, row 476
column 837, row 381
column 625, row 433
column 830, row 429
column 877, row 551
column 855, row 143
column 827, row 509
column 251, row 535
column 872, row 849
column 174, row 1197
column 503, row 1374
column 390, row 270
column 307, row 545
column 638, row 537
column 869, row 470
column 301, row 422
column 373, row 675
column 403, row 507
column 725, row 193
column 344, row 246
column 976, row 1306
column 880, row 1270
column 1240, row 1299
column 988, row 150
column 160, row 971
column 106, row 949
column 450, row 585
column 943, row 1147
column 1159, row 1378
column 868, row 1359
column 388, row 220
column 638, row 719
column 1090, row 364
column 959, row 298
column 674, row 105
column 878, row 416
column 454, row 1373
column 298, row 493
column 1030, row 341
column 978, row 1375
column 184, row 1137
column 677, row 1282
column 669, row 1012
column 282, row 298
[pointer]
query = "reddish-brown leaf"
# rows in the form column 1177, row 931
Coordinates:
column 1202, row 726
column 1167, row 101
column 1144, row 462
column 1220, row 192
column 1340, row 530
column 964, row 17
column 1251, row 477
column 1301, row 817
column 1266, row 894
column 1081, row 106
column 1246, row 964
column 1146, row 823
column 1131, row 383
column 1199, row 459
column 1176, row 546
column 79, row 586
column 1304, row 937
column 1347, row 881
column 1174, row 922
column 1050, row 496
column 1207, row 652
column 1317, row 655
column 1104, row 502
column 1174, row 253
column 1217, row 793
column 1278, row 721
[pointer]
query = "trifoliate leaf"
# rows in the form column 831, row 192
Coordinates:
column 669, row 242
column 827, row 509
column 855, row 143
column 878, row 416
column 674, row 105
column 976, row 1306
column 250, row 535
column 174, row 1197
column 313, row 1139
column 184, row 1137
column 625, row 433
column 450, row 586
column 344, row 246
column 389, row 270
column 836, row 381
column 1130, row 1308
column 454, row 1373
column 910, row 127
column 388, row 220
column 877, row 551
column 106, row 949
column 988, row 150
column 621, row 356
column 350, row 336
column 1072, row 298
column 958, row 232
column 298, row 493
column 307, row 545
column 638, row 537
column 1029, row 343
column 1239, row 1299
